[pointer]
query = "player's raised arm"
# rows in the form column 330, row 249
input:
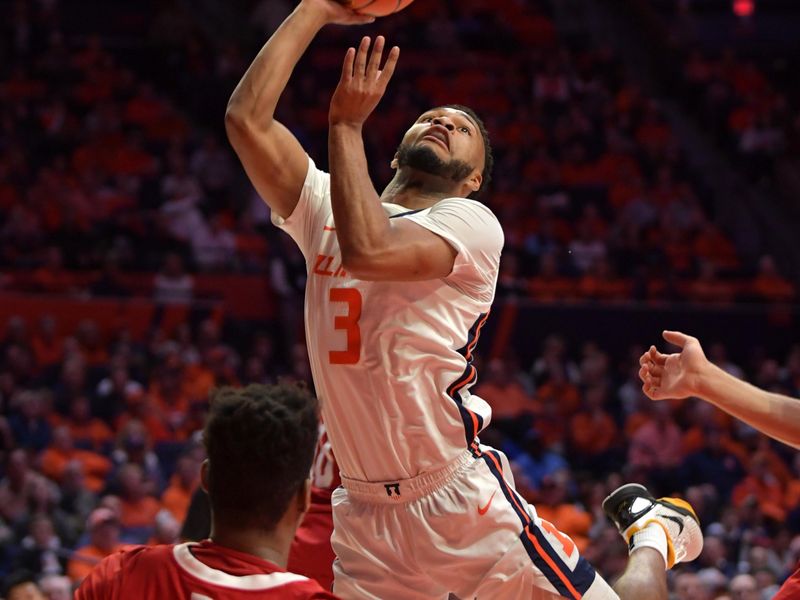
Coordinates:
column 690, row 373
column 373, row 247
column 272, row 157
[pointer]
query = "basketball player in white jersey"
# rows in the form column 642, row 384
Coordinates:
column 399, row 286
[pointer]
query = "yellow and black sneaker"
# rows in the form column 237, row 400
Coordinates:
column 632, row 508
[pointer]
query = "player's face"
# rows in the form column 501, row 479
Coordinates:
column 444, row 142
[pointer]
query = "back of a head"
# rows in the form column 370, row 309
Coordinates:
column 260, row 442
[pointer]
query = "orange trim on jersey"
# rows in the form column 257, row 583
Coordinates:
column 553, row 566
column 508, row 487
column 474, row 419
column 527, row 522
column 474, row 343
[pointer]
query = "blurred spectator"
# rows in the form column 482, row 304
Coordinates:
column 62, row 451
column 184, row 482
column 172, row 284
column 41, row 551
column 104, row 530
column 21, row 585
column 29, row 426
column 56, row 587
column 744, row 587
column 689, row 586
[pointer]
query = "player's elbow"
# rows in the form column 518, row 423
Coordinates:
column 361, row 265
column 237, row 123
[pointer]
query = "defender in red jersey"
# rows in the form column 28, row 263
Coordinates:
column 790, row 589
column 311, row 554
column 260, row 442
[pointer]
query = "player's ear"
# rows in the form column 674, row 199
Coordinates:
column 204, row 476
column 394, row 164
column 304, row 497
column 475, row 180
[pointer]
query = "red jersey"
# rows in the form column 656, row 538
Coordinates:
column 311, row 553
column 790, row 589
column 193, row 571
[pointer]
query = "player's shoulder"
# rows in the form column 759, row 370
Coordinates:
column 468, row 215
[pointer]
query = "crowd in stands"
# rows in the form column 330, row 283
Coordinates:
column 104, row 173
column 99, row 444
column 745, row 108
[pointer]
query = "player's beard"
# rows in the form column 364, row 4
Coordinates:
column 425, row 159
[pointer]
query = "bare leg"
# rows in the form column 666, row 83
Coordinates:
column 644, row 577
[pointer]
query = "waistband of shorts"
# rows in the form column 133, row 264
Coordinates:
column 406, row 490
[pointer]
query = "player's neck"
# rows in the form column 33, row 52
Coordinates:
column 272, row 546
column 417, row 190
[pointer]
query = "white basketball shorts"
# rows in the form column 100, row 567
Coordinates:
column 461, row 529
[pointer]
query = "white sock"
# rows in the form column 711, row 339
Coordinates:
column 652, row 536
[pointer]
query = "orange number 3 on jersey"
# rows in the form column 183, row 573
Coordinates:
column 348, row 323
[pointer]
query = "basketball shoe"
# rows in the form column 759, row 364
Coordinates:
column 632, row 508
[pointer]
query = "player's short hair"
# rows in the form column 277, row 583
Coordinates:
column 488, row 164
column 260, row 442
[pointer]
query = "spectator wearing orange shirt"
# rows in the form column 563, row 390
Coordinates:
column 553, row 505
column 769, row 285
column 504, row 393
column 104, row 532
column 62, row 451
column 138, row 509
column 763, row 486
column 178, row 495
column 87, row 431
column 140, row 409
column 593, row 433
column 48, row 347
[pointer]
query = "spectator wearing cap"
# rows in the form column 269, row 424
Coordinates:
column 104, row 532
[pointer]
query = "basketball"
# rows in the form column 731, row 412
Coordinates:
column 378, row 8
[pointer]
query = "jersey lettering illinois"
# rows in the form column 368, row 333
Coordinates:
column 392, row 361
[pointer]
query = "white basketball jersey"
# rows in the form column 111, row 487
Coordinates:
column 392, row 361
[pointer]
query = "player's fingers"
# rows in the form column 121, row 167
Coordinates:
column 656, row 356
column 391, row 63
column 347, row 66
column 361, row 57
column 676, row 337
column 655, row 369
column 643, row 372
column 375, row 58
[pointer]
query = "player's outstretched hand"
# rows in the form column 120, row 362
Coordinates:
column 673, row 375
column 363, row 82
column 338, row 13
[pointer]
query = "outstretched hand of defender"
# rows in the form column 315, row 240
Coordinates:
column 363, row 82
column 673, row 375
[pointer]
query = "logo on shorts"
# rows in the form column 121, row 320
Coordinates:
column 392, row 488
column 484, row 510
